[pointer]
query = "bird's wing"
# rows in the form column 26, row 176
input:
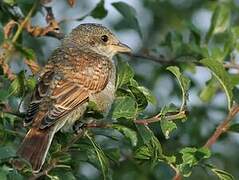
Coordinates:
column 85, row 76
column 39, row 93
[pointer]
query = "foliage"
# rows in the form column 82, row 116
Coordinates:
column 145, row 135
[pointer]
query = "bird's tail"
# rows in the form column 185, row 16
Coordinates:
column 35, row 146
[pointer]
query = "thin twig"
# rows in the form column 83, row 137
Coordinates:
column 223, row 126
column 43, row 173
column 179, row 115
column 177, row 175
column 231, row 66
column 175, row 61
column 24, row 22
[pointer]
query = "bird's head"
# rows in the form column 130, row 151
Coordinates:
column 99, row 39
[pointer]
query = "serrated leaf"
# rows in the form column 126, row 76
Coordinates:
column 142, row 152
column 236, row 94
column 128, row 133
column 145, row 133
column 101, row 157
column 191, row 157
column 124, row 107
column 129, row 13
column 17, row 86
column 167, row 127
column 25, row 6
column 26, row 52
column 6, row 152
column 222, row 76
column 184, row 83
column 220, row 20
column 113, row 154
column 124, row 73
column 4, row 94
column 222, row 175
column 151, row 150
column 99, row 12
column 140, row 98
column 63, row 173
column 209, row 91
column 150, row 97
column 31, row 83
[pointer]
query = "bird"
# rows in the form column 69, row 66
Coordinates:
column 79, row 71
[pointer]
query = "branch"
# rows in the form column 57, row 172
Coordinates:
column 43, row 173
column 175, row 61
column 179, row 115
column 24, row 22
column 231, row 66
column 223, row 126
column 177, row 173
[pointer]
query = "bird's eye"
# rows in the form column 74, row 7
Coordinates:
column 104, row 38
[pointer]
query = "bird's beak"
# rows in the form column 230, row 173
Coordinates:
column 122, row 48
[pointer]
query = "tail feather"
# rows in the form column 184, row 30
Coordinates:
column 35, row 146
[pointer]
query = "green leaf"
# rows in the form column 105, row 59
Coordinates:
column 4, row 94
column 25, row 6
column 221, row 75
column 99, row 12
column 166, row 125
column 113, row 154
column 209, row 91
column 140, row 98
column 124, row 107
column 26, row 52
column 142, row 152
column 220, row 20
column 101, row 157
column 124, row 73
column 17, row 86
column 14, row 175
column 184, row 83
column 6, row 152
column 150, row 97
column 127, row 132
column 151, row 149
column 195, row 34
column 236, row 94
column 145, row 133
column 61, row 173
column 191, row 158
column 234, row 128
column 222, row 175
column 31, row 83
column 129, row 13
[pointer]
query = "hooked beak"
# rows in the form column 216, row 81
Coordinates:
column 122, row 48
